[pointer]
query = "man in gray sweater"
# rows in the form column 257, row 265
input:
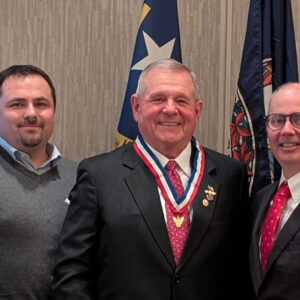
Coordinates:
column 34, row 184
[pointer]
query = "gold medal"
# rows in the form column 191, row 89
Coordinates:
column 178, row 220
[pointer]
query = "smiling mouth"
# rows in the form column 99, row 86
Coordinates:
column 30, row 128
column 289, row 144
column 169, row 123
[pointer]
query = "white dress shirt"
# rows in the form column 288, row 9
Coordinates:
column 292, row 202
column 183, row 169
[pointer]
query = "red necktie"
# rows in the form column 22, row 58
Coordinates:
column 271, row 223
column 178, row 224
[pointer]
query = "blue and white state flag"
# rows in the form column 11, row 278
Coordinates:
column 157, row 38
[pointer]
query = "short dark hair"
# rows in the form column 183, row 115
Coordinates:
column 23, row 71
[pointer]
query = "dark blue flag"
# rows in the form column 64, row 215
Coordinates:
column 269, row 59
column 157, row 38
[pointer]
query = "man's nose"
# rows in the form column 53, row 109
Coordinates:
column 287, row 128
column 29, row 111
column 170, row 106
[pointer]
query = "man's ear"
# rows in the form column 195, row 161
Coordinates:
column 134, row 99
column 199, row 107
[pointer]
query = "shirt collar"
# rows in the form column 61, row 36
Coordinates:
column 24, row 158
column 183, row 159
column 10, row 149
column 294, row 186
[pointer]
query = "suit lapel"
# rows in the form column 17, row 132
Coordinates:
column 263, row 202
column 284, row 237
column 286, row 234
column 202, row 214
column 143, row 188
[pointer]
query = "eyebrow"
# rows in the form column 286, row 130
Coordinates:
column 162, row 94
column 25, row 99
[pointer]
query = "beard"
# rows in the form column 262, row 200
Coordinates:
column 34, row 138
column 31, row 140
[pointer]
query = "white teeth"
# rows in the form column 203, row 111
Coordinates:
column 169, row 124
column 288, row 145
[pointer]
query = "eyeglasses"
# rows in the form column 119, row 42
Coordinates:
column 277, row 121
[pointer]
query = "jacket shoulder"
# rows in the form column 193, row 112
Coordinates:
column 265, row 190
column 220, row 158
column 110, row 159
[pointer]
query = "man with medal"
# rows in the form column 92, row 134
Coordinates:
column 161, row 218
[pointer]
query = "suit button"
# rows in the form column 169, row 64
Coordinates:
column 177, row 279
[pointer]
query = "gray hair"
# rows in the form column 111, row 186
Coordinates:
column 168, row 64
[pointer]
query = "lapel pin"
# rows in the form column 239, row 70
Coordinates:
column 205, row 202
column 210, row 193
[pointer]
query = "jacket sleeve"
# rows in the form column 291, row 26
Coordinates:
column 74, row 272
column 246, row 291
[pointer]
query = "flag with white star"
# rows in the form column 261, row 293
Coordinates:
column 269, row 60
column 157, row 38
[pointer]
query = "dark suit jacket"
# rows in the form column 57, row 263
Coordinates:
column 115, row 244
column 281, row 280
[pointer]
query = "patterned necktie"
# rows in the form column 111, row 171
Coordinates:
column 178, row 224
column 271, row 223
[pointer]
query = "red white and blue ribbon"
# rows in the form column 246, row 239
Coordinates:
column 178, row 205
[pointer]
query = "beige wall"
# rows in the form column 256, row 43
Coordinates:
column 86, row 47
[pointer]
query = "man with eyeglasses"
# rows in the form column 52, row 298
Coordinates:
column 275, row 244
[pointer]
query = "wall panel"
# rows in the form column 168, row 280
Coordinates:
column 86, row 47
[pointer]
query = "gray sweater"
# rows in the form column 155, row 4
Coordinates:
column 32, row 210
